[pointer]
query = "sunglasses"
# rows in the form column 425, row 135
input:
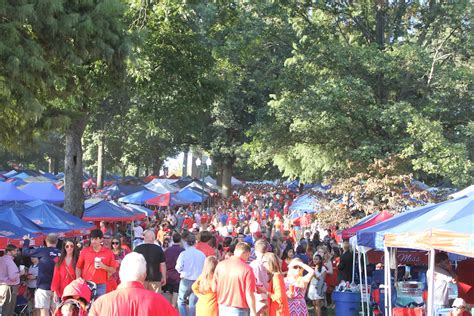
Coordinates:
column 459, row 307
column 69, row 246
column 115, row 243
column 296, row 267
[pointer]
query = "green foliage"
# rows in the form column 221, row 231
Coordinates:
column 367, row 82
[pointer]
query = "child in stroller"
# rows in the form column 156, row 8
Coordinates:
column 77, row 298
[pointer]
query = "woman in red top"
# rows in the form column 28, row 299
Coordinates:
column 64, row 269
column 287, row 256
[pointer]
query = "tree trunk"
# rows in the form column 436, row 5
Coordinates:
column 227, row 178
column 157, row 164
column 73, row 170
column 147, row 170
column 50, row 164
column 100, row 162
column 185, row 164
column 218, row 167
column 55, row 165
column 137, row 172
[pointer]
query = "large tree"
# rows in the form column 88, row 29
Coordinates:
column 59, row 59
column 374, row 79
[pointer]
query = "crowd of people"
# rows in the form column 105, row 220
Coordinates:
column 244, row 256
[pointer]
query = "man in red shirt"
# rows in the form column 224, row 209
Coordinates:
column 96, row 262
column 131, row 298
column 188, row 222
column 203, row 246
column 234, row 282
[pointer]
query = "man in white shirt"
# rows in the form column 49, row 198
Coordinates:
column 189, row 265
column 443, row 275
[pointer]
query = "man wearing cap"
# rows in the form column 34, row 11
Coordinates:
column 189, row 265
column 188, row 222
column 96, row 263
column 459, row 306
column 46, row 255
column 9, row 281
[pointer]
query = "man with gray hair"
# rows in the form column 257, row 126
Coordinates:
column 130, row 297
column 155, row 262
column 189, row 265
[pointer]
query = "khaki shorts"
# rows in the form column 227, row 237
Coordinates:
column 44, row 299
column 153, row 286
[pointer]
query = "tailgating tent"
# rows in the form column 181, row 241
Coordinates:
column 379, row 217
column 48, row 175
column 372, row 237
column 191, row 196
column 50, row 217
column 16, row 182
column 139, row 208
column 236, row 182
column 305, row 203
column 451, row 223
column 45, row 191
column 9, row 232
column 10, row 174
column 161, row 187
column 210, row 180
column 116, row 191
column 9, row 193
column 107, row 211
column 454, row 222
column 166, row 199
column 464, row 192
column 184, row 181
column 139, row 197
column 11, row 213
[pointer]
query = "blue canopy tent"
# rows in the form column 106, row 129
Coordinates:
column 10, row 174
column 8, row 230
column 140, row 208
column 139, row 197
column 121, row 190
column 304, row 204
column 49, row 216
column 372, row 237
column 107, row 211
column 12, row 215
column 191, row 196
column 9, row 193
column 48, row 175
column 136, row 214
column 455, row 216
column 45, row 191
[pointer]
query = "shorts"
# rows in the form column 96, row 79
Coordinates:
column 44, row 299
column 171, row 288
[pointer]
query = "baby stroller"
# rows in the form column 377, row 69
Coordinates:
column 77, row 298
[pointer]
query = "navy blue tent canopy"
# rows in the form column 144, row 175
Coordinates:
column 9, row 193
column 49, row 216
column 45, row 191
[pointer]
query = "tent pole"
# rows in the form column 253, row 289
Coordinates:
column 431, row 265
column 366, row 282
column 360, row 282
column 387, row 277
column 390, row 311
column 353, row 263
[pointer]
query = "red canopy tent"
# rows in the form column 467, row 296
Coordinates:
column 160, row 200
column 382, row 216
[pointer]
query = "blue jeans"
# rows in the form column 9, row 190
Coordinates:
column 101, row 288
column 186, row 292
column 233, row 311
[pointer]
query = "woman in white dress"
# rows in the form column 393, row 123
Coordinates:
column 317, row 286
